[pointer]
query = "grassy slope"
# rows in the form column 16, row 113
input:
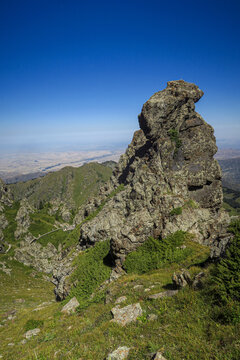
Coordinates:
column 183, row 330
column 71, row 185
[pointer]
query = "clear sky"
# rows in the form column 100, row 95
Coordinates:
column 76, row 73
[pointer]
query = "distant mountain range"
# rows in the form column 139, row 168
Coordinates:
column 231, row 173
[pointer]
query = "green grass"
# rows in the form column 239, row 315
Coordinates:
column 90, row 271
column 156, row 252
column 10, row 214
column 185, row 327
column 176, row 211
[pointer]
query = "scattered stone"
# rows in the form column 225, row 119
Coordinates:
column 158, row 356
column 120, row 354
column 163, row 294
column 127, row 314
column 198, row 281
column 138, row 287
column 152, row 317
column 23, row 341
column 120, row 299
column 31, row 333
column 11, row 344
column 20, row 301
column 70, row 306
column 182, row 279
column 147, row 289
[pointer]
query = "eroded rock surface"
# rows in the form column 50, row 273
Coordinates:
column 169, row 164
column 120, row 354
column 127, row 314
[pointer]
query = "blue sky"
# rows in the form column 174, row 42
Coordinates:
column 74, row 73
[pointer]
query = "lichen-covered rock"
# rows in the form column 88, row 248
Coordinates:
column 23, row 219
column 127, row 314
column 31, row 333
column 42, row 258
column 71, row 306
column 120, row 354
column 171, row 180
column 161, row 295
column 158, row 356
column 182, row 279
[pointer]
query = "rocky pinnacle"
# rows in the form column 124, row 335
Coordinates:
column 171, row 180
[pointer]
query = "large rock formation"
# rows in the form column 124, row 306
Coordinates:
column 5, row 200
column 171, row 180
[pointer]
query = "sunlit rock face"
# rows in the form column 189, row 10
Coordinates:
column 171, row 180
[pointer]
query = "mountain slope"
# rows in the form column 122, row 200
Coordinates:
column 231, row 173
column 70, row 185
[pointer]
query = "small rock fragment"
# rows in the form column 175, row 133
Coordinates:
column 152, row 317
column 182, row 279
column 70, row 306
column 120, row 299
column 163, row 294
column 137, row 287
column 120, row 354
column 158, row 356
column 198, row 280
column 126, row 314
column 31, row 333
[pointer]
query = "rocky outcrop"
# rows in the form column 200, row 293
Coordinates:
column 171, row 180
column 23, row 219
column 5, row 196
column 42, row 258
column 5, row 200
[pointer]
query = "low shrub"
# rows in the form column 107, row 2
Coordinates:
column 226, row 273
column 91, row 270
column 176, row 211
column 156, row 252
column 33, row 324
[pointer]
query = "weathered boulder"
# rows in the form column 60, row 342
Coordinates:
column 161, row 295
column 169, row 164
column 31, row 333
column 127, row 314
column 182, row 279
column 158, row 356
column 120, row 354
column 71, row 306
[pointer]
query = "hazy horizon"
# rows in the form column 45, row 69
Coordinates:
column 74, row 75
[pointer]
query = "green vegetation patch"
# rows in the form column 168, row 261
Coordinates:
column 174, row 136
column 10, row 213
column 226, row 275
column 176, row 211
column 33, row 324
column 91, row 270
column 156, row 252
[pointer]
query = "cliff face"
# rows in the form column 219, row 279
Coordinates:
column 171, row 180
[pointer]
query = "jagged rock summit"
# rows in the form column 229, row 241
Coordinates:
column 171, row 180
